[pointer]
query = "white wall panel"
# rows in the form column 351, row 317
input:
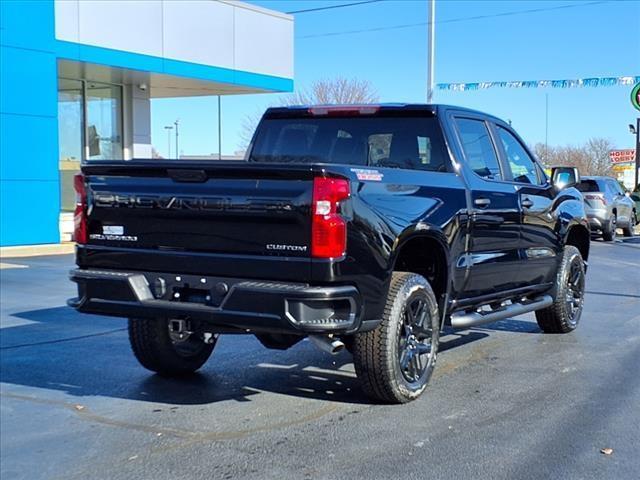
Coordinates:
column 199, row 31
column 132, row 26
column 217, row 33
column 66, row 13
column 263, row 43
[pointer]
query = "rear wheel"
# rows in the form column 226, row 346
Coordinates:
column 628, row 232
column 160, row 347
column 395, row 361
column 564, row 314
column 609, row 231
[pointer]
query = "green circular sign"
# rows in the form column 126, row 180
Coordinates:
column 635, row 96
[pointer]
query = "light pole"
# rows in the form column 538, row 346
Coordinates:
column 546, row 126
column 176, row 123
column 168, row 128
column 431, row 51
column 636, row 130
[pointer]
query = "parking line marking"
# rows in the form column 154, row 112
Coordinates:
column 6, row 266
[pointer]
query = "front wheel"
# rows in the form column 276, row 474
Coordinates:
column 160, row 348
column 609, row 231
column 564, row 314
column 395, row 361
column 628, row 232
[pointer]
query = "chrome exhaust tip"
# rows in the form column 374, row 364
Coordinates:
column 327, row 344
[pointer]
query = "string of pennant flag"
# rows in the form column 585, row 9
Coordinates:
column 573, row 83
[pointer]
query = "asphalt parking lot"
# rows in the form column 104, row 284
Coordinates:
column 506, row 401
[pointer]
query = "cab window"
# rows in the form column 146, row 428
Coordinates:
column 523, row 167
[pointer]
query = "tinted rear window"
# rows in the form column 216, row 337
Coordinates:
column 395, row 142
column 588, row 186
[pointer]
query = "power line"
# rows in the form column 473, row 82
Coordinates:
column 454, row 20
column 330, row 7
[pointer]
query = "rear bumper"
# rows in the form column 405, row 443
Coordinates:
column 226, row 304
column 597, row 218
column 596, row 224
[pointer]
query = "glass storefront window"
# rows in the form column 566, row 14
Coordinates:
column 70, row 137
column 89, row 127
column 104, row 121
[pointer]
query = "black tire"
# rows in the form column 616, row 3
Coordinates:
column 628, row 232
column 568, row 295
column 609, row 231
column 408, row 334
column 154, row 348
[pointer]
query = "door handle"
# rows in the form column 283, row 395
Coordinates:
column 482, row 202
column 527, row 203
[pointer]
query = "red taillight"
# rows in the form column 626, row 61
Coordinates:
column 328, row 228
column 80, row 214
column 596, row 197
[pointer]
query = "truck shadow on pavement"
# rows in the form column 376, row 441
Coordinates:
column 61, row 350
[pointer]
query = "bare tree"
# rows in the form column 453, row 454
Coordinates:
column 592, row 158
column 597, row 150
column 571, row 156
column 541, row 151
column 336, row 91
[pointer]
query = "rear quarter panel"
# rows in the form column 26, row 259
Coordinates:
column 385, row 213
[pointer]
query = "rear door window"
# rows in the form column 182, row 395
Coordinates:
column 478, row 148
column 383, row 141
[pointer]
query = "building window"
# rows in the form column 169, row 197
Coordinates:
column 89, row 128
column 70, row 137
column 104, row 121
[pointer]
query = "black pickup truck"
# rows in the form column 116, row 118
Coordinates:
column 367, row 227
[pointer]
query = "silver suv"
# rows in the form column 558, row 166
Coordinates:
column 607, row 206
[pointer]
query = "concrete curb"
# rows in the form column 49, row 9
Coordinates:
column 37, row 250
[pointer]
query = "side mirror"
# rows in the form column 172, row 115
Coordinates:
column 565, row 177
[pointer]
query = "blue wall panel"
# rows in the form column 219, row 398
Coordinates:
column 29, row 185
column 27, row 24
column 178, row 68
column 28, row 146
column 29, row 213
column 28, row 79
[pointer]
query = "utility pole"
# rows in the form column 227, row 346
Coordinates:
column 546, row 127
column 168, row 128
column 637, row 164
column 431, row 51
column 177, row 151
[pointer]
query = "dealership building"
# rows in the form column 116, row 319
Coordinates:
column 77, row 78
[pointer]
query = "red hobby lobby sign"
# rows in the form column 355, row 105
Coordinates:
column 622, row 156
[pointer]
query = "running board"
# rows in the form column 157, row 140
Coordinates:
column 473, row 319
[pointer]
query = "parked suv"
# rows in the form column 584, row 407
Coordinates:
column 608, row 207
column 366, row 227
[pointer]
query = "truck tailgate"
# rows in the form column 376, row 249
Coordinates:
column 150, row 215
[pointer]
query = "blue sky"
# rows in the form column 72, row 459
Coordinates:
column 589, row 39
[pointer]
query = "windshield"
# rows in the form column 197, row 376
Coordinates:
column 396, row 142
